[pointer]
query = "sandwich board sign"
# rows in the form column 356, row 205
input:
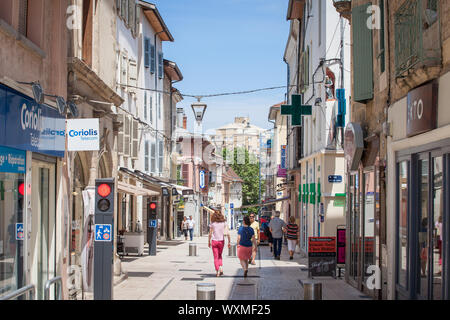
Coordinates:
column 322, row 256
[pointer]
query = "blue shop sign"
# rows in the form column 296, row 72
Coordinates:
column 12, row 160
column 335, row 179
column 28, row 126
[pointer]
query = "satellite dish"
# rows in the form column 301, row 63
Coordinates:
column 38, row 92
column 61, row 103
column 73, row 109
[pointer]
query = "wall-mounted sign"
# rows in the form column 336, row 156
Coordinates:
column 421, row 112
column 83, row 135
column 188, row 192
column 322, row 256
column 12, row 160
column 334, row 179
column 202, row 183
column 28, row 126
column 20, row 236
column 353, row 145
column 283, row 157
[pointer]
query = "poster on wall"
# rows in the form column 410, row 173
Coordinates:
column 322, row 256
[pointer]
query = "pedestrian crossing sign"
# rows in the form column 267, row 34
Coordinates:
column 103, row 232
column 19, row 231
column 152, row 224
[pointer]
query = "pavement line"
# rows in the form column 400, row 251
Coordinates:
column 164, row 288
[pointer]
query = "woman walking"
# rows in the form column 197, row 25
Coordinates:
column 218, row 229
column 246, row 243
column 184, row 227
column 292, row 236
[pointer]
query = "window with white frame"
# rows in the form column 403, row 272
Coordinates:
column 153, row 157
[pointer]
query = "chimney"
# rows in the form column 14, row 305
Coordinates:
column 185, row 122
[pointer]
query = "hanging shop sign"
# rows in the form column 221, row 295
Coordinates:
column 29, row 126
column 83, row 135
column 421, row 110
column 202, row 183
column 353, row 145
column 322, row 256
column 283, row 157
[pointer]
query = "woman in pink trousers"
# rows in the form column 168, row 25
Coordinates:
column 218, row 229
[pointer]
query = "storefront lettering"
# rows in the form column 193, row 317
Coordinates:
column 416, row 110
column 30, row 119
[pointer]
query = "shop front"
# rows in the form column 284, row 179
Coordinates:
column 419, row 193
column 32, row 142
column 364, row 221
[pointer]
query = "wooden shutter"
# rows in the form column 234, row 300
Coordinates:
column 123, row 70
column 132, row 75
column 161, row 156
column 146, row 52
column 145, row 105
column 153, row 158
column 124, row 10
column 185, row 174
column 147, row 156
column 23, row 17
column 120, row 135
column 131, row 13
column 362, row 54
column 135, row 139
column 152, row 58
column 160, row 65
column 127, row 135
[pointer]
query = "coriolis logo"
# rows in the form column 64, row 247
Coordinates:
column 30, row 119
column 83, row 133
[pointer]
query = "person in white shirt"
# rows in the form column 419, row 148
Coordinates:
column 191, row 224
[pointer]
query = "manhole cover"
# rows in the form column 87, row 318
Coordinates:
column 135, row 274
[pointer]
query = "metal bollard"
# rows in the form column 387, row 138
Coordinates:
column 206, row 291
column 192, row 249
column 312, row 290
column 232, row 250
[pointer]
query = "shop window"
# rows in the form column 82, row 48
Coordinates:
column 369, row 221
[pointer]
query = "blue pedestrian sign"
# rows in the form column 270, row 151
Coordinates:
column 152, row 223
column 231, row 205
column 103, row 232
column 19, row 231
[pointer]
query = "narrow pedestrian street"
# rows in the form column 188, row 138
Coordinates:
column 173, row 275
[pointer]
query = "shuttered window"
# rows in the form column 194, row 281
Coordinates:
column 160, row 156
column 147, row 156
column 145, row 105
column 160, row 65
column 153, row 157
column 362, row 54
column 146, row 52
column 152, row 58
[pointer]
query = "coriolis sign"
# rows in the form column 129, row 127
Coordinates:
column 421, row 110
column 83, row 135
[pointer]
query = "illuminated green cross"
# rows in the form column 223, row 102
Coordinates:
column 296, row 110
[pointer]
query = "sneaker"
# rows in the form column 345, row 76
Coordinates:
column 245, row 273
column 291, row 258
column 278, row 258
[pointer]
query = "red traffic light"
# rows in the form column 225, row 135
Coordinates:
column 153, row 205
column 104, row 190
column 22, row 188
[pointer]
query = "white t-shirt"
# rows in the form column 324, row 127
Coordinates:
column 191, row 224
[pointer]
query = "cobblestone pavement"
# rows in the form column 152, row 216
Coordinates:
column 173, row 275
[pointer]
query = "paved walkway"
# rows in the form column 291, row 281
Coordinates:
column 173, row 275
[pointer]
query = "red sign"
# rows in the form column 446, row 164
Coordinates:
column 322, row 245
column 340, row 246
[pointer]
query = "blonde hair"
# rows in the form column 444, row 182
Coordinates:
column 217, row 216
column 292, row 219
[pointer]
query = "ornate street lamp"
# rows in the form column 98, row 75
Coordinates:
column 199, row 111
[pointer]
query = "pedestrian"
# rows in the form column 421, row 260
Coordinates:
column 246, row 242
column 255, row 226
column 191, row 224
column 269, row 235
column 277, row 228
column 292, row 236
column 184, row 227
column 218, row 229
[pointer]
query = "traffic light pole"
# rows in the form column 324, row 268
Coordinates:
column 104, row 244
column 152, row 227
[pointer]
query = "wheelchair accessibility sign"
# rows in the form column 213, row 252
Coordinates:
column 103, row 232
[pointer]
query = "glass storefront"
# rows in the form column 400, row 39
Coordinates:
column 422, row 215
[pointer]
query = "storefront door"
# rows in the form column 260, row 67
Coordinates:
column 43, row 231
column 422, row 271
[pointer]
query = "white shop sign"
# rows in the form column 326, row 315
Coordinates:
column 83, row 135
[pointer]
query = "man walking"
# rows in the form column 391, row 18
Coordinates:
column 277, row 227
column 191, row 224
column 255, row 226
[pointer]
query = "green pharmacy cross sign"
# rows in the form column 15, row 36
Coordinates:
column 296, row 110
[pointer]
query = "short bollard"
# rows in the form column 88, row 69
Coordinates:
column 232, row 250
column 312, row 290
column 206, row 291
column 192, row 249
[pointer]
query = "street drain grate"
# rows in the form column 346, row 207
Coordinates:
column 193, row 270
column 192, row 279
column 246, row 284
column 178, row 261
column 134, row 274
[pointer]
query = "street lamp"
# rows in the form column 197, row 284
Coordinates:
column 199, row 111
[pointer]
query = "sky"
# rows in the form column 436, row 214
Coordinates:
column 228, row 46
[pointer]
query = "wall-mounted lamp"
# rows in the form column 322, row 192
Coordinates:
column 318, row 102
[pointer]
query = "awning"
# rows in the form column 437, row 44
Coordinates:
column 265, row 203
column 135, row 190
column 208, row 209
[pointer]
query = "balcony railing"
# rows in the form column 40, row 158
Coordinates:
column 417, row 42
